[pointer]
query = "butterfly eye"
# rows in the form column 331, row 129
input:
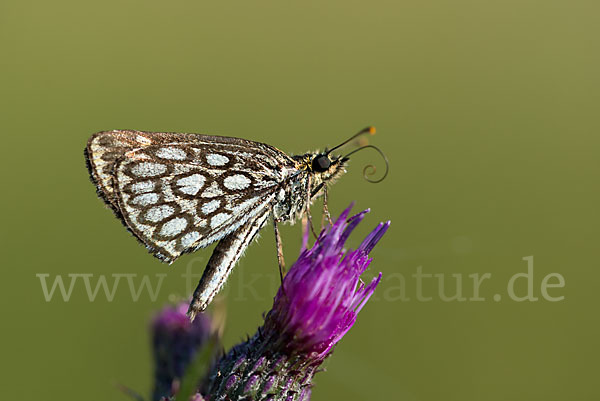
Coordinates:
column 321, row 163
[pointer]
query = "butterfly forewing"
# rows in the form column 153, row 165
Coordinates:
column 179, row 192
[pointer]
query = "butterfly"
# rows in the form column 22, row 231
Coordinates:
column 178, row 192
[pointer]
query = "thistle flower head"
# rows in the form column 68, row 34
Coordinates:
column 315, row 307
column 322, row 294
column 175, row 341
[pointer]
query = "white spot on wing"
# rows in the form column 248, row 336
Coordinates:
column 211, row 206
column 190, row 238
column 212, row 191
column 173, row 227
column 142, row 187
column 147, row 169
column 171, row 153
column 145, row 199
column 237, row 181
column 158, row 213
column 191, row 184
column 219, row 219
column 215, row 159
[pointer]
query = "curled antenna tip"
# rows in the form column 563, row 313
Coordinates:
column 372, row 130
column 369, row 168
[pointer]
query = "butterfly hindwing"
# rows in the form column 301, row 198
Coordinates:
column 180, row 192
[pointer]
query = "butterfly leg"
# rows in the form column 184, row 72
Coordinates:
column 223, row 259
column 307, row 211
column 279, row 250
column 326, row 214
column 310, row 223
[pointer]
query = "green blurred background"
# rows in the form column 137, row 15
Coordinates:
column 487, row 110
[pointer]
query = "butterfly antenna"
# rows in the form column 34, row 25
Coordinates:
column 368, row 130
column 369, row 168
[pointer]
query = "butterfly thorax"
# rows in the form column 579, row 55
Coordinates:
column 305, row 183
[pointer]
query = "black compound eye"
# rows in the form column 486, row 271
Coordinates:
column 321, row 163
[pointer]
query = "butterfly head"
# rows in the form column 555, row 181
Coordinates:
column 326, row 167
column 322, row 167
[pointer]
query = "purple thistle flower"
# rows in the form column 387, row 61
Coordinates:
column 322, row 294
column 175, row 342
column 316, row 306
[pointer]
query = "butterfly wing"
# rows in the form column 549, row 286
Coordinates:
column 180, row 192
